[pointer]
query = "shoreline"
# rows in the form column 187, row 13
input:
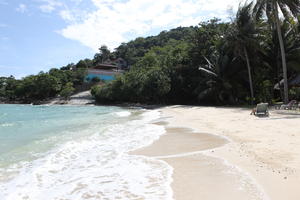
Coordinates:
column 91, row 160
column 238, row 168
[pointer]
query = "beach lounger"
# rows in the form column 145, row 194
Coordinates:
column 262, row 109
column 278, row 105
column 292, row 105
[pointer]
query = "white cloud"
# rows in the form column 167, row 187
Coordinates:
column 117, row 21
column 49, row 6
column 67, row 15
column 22, row 8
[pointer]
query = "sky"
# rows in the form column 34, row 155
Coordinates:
column 36, row 35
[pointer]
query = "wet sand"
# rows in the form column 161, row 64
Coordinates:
column 177, row 140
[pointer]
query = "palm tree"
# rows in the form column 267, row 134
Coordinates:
column 271, row 55
column 242, row 38
column 219, row 82
column 289, row 9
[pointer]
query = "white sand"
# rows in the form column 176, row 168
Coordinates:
column 259, row 160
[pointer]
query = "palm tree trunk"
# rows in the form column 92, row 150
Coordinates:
column 249, row 74
column 279, row 74
column 284, row 68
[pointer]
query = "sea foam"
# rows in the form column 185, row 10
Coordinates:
column 96, row 167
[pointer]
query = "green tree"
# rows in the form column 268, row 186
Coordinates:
column 243, row 37
column 272, row 8
column 103, row 55
column 220, row 82
column 206, row 40
column 9, row 86
column 82, row 64
column 67, row 90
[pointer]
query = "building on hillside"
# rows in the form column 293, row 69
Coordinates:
column 105, row 71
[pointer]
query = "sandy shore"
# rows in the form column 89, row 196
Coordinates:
column 225, row 153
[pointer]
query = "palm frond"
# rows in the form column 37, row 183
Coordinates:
column 210, row 65
column 209, row 72
column 259, row 8
column 293, row 6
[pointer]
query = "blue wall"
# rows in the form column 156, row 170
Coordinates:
column 89, row 77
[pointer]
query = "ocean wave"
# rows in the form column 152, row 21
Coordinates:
column 123, row 113
column 6, row 124
column 97, row 167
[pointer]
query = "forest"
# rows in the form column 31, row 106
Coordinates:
column 42, row 86
column 254, row 57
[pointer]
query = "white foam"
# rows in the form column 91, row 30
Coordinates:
column 123, row 113
column 6, row 124
column 97, row 167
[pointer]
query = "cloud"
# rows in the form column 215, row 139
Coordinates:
column 117, row 21
column 22, row 8
column 49, row 6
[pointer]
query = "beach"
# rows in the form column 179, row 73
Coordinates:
column 226, row 153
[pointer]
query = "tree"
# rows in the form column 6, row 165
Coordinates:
column 8, row 88
column 67, row 91
column 220, row 78
column 242, row 38
column 102, row 56
column 206, row 40
column 289, row 9
column 82, row 64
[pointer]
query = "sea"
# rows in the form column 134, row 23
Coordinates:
column 80, row 152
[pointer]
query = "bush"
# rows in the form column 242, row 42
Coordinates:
column 67, row 90
column 95, row 79
column 144, row 86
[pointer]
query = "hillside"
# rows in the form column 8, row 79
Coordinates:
column 216, row 63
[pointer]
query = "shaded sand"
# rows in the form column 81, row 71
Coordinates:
column 260, row 159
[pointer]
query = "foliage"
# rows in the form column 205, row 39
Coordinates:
column 95, row 79
column 207, row 65
column 138, row 85
column 213, row 63
column 136, row 49
column 102, row 56
column 67, row 90
column 42, row 86
column 290, row 10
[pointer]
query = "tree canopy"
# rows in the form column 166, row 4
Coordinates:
column 252, row 58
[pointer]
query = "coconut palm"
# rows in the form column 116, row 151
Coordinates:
column 220, row 77
column 243, row 37
column 272, row 8
column 271, row 55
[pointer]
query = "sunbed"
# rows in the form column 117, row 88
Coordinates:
column 262, row 109
column 292, row 105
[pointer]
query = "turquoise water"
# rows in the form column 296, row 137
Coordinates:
column 27, row 130
column 79, row 152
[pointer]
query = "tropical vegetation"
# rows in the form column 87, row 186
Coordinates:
column 42, row 86
column 252, row 58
